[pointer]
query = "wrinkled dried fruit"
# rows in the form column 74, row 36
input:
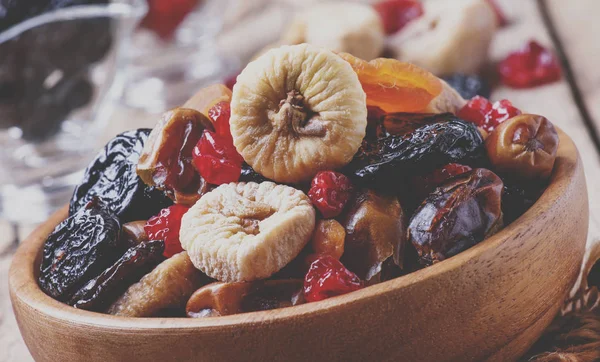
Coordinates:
column 165, row 226
column 423, row 185
column 395, row 14
column 168, row 286
column 216, row 159
column 100, row 292
column 395, row 86
column 133, row 233
column 328, row 238
column 457, row 215
column 327, row 278
column 79, row 249
column 219, row 299
column 330, row 192
column 395, row 158
column 375, row 230
column 524, row 147
column 111, row 177
column 166, row 161
column 400, row 124
column 468, row 85
column 531, row 66
column 249, row 175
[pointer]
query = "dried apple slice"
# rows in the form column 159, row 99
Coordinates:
column 395, row 86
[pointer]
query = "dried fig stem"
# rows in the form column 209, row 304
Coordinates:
column 295, row 117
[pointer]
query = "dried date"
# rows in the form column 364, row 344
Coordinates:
column 518, row 198
column 79, row 249
column 394, row 158
column 112, row 178
column 100, row 292
column 457, row 215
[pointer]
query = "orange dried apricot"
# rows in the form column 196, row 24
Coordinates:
column 395, row 86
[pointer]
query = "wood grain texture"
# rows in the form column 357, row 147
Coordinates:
column 555, row 100
column 490, row 302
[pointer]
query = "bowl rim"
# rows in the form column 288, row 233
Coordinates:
column 24, row 287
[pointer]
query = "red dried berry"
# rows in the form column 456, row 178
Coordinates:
column 216, row 159
column 165, row 226
column 220, row 114
column 327, row 277
column 164, row 16
column 530, row 66
column 395, row 14
column 424, row 185
column 475, row 110
column 330, row 192
column 487, row 115
column 501, row 111
column 500, row 17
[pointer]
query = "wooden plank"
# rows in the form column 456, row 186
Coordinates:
column 555, row 101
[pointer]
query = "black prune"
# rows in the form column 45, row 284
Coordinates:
column 79, row 249
column 395, row 158
column 468, row 86
column 518, row 198
column 99, row 293
column 400, row 124
column 111, row 177
column 457, row 215
column 249, row 175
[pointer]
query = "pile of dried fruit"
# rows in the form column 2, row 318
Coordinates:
column 319, row 175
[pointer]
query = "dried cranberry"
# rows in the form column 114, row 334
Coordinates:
column 165, row 226
column 530, row 66
column 500, row 17
column 219, row 115
column 475, row 110
column 395, row 14
column 164, row 16
column 427, row 183
column 330, row 192
column 487, row 115
column 327, row 277
column 216, row 159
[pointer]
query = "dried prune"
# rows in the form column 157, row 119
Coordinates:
column 468, row 85
column 112, row 178
column 400, row 124
column 375, row 230
column 166, row 159
column 79, row 249
column 457, row 215
column 100, row 292
column 168, row 286
column 518, row 198
column 394, row 158
column 249, row 175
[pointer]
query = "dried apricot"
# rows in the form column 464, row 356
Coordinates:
column 395, row 86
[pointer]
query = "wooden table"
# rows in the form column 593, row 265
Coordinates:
column 573, row 104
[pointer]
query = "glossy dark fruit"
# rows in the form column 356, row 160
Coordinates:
column 400, row 124
column 273, row 294
column 422, row 185
column 79, row 249
column 396, row 158
column 457, row 215
column 249, row 175
column 166, row 159
column 524, row 147
column 111, row 177
column 375, row 231
column 468, row 85
column 518, row 197
column 133, row 233
column 99, row 293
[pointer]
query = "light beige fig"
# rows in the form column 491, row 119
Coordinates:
column 297, row 110
column 451, row 36
column 247, row 231
column 447, row 101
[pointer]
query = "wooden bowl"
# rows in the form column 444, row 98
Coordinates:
column 490, row 302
